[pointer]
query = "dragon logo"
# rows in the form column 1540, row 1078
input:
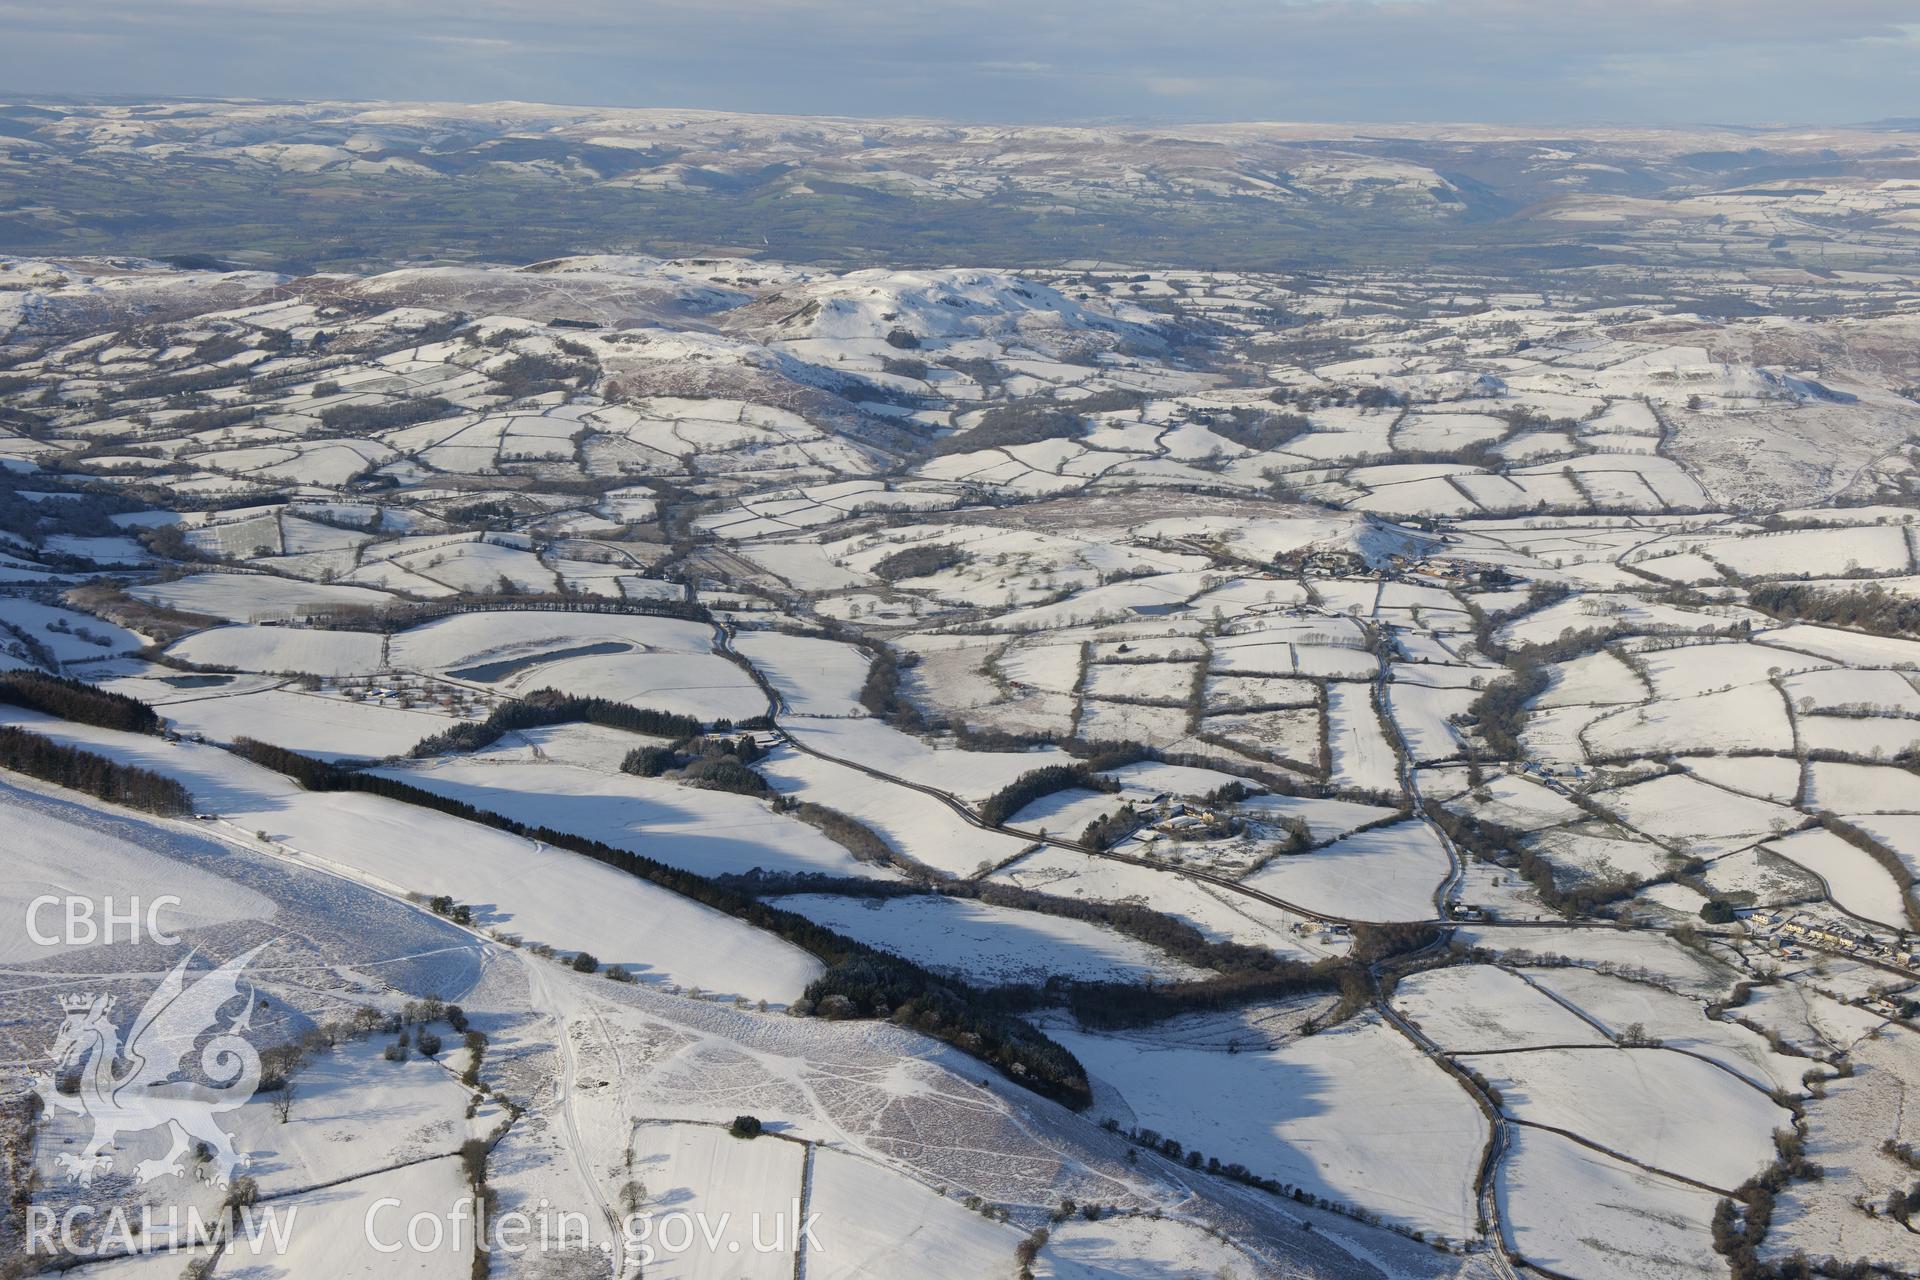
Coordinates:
column 139, row 1086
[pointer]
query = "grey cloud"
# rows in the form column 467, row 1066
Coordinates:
column 1522, row 60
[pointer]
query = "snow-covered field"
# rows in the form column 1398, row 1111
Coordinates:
column 515, row 885
column 256, row 597
column 929, row 531
column 970, row 775
column 329, row 727
column 732, row 1184
column 1480, row 1007
column 989, row 945
column 1618, row 1006
column 813, row 677
column 1660, row 1108
column 284, row 649
column 663, row 663
column 69, row 637
column 1220, row 914
column 1580, row 1213
column 1857, row 882
column 914, row 824
column 874, row 1223
column 1670, row 963
column 1387, row 873
column 1846, row 1131
column 1314, row 1114
column 711, row 832
column 53, row 859
column 1082, row 1250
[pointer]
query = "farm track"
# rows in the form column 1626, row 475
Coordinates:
column 1500, row 1125
column 565, row 1087
column 538, row 981
column 1449, row 887
column 1612, row 1044
column 1486, row 1191
column 967, row 815
column 1568, row 361
column 280, row 852
column 1037, row 838
column 1444, row 893
column 1040, row 838
column 1500, row 1140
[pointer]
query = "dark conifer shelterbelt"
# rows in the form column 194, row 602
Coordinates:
column 66, row 766
column 77, row 700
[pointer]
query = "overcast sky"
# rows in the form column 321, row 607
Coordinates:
column 1549, row 61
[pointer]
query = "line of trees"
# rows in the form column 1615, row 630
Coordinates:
column 77, row 700
column 1740, row 1224
column 1120, row 1004
column 184, row 384
column 1881, row 854
column 1243, row 974
column 1500, row 712
column 880, row 693
column 1117, row 1005
column 1871, row 608
column 1037, row 783
column 860, row 981
column 918, row 562
column 1155, row 928
column 1172, row 1149
column 712, row 762
column 391, row 618
column 1486, row 626
column 1501, row 844
column 66, row 766
column 359, row 418
column 851, row 834
column 550, row 706
column 1256, row 429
